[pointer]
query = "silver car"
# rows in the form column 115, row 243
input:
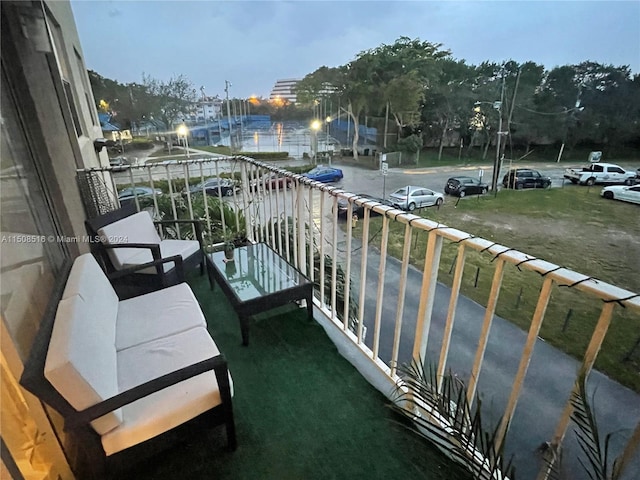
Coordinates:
column 412, row 197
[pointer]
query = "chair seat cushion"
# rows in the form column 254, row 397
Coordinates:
column 168, row 248
column 157, row 315
column 168, row 408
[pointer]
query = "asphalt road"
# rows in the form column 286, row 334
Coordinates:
column 357, row 179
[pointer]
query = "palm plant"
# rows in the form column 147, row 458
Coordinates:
column 598, row 465
column 439, row 410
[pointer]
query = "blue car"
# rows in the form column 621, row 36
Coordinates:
column 324, row 174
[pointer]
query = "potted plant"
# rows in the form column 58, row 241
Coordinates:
column 229, row 246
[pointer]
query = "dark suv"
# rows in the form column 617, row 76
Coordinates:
column 461, row 186
column 520, row 178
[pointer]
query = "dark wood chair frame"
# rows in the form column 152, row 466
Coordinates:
column 89, row 459
column 143, row 281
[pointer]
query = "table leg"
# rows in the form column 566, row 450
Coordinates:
column 310, row 305
column 212, row 280
column 244, row 329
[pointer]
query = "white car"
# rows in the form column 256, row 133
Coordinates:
column 621, row 192
column 412, row 197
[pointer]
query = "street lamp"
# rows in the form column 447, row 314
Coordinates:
column 183, row 132
column 316, row 125
column 227, row 84
column 326, row 146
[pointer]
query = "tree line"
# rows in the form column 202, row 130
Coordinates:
column 433, row 98
column 422, row 95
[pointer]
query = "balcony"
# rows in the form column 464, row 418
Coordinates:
column 302, row 411
column 382, row 310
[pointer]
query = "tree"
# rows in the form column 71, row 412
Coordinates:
column 396, row 74
column 403, row 73
column 127, row 103
column 449, row 104
column 170, row 99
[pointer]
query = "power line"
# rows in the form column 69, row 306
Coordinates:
column 565, row 111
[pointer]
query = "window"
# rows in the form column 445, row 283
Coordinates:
column 72, row 107
column 65, row 72
column 30, row 253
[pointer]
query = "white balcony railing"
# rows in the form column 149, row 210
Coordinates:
column 304, row 219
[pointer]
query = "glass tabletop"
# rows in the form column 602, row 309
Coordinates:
column 256, row 271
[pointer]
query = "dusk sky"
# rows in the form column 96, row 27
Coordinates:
column 253, row 44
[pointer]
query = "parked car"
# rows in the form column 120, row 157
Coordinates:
column 604, row 173
column 119, row 163
column 324, row 174
column 461, row 186
column 412, row 197
column 128, row 194
column 621, row 192
column 271, row 181
column 215, row 187
column 358, row 210
column 520, row 178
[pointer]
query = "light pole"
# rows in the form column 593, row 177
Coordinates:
column 227, row 84
column 184, row 132
column 315, row 127
column 326, row 143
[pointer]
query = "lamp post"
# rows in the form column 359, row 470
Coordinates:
column 227, row 84
column 183, row 132
column 315, row 127
column 326, row 143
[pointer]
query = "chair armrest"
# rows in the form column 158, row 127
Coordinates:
column 154, row 247
column 217, row 363
column 197, row 224
column 176, row 259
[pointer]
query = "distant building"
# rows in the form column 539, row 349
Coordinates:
column 285, row 90
column 207, row 109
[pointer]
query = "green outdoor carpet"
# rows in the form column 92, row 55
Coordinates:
column 301, row 411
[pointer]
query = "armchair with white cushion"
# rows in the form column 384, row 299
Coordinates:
column 125, row 238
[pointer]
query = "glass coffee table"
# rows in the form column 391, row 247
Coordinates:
column 257, row 280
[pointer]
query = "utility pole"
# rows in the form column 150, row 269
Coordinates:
column 227, row 84
column 496, row 165
column 386, row 126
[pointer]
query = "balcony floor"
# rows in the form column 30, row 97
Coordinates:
column 302, row 411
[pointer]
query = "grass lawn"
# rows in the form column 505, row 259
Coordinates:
column 573, row 227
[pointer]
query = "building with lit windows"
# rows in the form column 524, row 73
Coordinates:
column 285, row 90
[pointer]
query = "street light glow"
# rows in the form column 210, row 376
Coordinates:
column 183, row 132
column 316, row 124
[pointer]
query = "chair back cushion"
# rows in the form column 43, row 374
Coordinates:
column 136, row 228
column 87, row 279
column 81, row 360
